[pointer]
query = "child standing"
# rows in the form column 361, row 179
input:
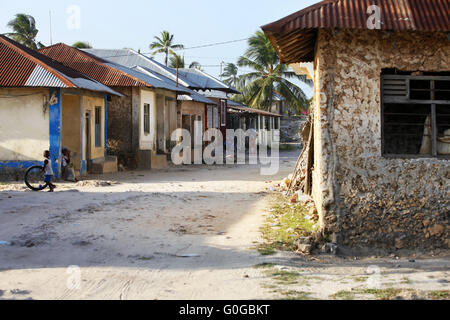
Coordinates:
column 48, row 171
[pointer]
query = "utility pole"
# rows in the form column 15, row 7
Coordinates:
column 51, row 38
column 221, row 69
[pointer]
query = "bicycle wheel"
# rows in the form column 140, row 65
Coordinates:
column 34, row 179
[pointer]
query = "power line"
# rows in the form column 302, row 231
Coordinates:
column 189, row 48
column 214, row 44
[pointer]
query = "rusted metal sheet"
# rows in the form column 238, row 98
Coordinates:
column 23, row 67
column 91, row 65
column 294, row 36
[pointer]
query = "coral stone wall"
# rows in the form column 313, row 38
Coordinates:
column 364, row 199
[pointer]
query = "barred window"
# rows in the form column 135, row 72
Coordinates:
column 146, row 118
column 415, row 115
column 98, row 127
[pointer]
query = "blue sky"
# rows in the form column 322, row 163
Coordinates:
column 134, row 23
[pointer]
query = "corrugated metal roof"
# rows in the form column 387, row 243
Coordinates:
column 155, row 82
column 243, row 108
column 91, row 65
column 23, row 67
column 41, row 77
column 294, row 36
column 107, row 72
column 194, row 96
column 191, row 78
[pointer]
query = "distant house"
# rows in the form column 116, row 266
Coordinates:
column 378, row 163
column 215, row 91
column 45, row 105
column 141, row 122
column 264, row 123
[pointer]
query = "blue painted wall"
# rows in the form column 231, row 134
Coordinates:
column 19, row 164
column 55, row 120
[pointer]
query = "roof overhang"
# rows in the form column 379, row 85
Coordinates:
column 294, row 37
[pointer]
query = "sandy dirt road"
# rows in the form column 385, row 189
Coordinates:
column 181, row 233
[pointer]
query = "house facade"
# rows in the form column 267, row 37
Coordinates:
column 209, row 104
column 381, row 119
column 266, row 124
column 47, row 106
column 141, row 121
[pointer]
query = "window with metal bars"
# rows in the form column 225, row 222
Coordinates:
column 98, row 127
column 415, row 115
column 223, row 112
column 146, row 118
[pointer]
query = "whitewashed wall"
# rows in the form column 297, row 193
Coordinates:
column 24, row 127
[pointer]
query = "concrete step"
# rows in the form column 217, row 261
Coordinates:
column 104, row 165
column 159, row 161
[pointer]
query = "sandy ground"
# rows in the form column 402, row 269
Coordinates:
column 181, row 233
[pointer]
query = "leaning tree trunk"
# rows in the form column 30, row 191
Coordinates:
column 302, row 176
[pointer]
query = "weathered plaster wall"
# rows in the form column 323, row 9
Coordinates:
column 71, row 127
column 24, row 124
column 367, row 200
column 89, row 104
column 147, row 140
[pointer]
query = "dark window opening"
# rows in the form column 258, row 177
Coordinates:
column 415, row 114
column 146, row 118
column 98, row 127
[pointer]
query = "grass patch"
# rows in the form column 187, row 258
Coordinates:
column 286, row 223
column 343, row 295
column 284, row 277
column 379, row 294
column 360, row 279
column 296, row 295
column 440, row 295
column 264, row 265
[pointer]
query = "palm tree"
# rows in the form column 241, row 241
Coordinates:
column 176, row 61
column 24, row 31
column 230, row 73
column 82, row 45
column 164, row 44
column 269, row 77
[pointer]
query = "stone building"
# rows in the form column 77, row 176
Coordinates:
column 379, row 168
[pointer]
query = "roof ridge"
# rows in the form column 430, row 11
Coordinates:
column 105, row 63
column 14, row 45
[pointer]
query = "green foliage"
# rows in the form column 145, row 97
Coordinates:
column 230, row 73
column 82, row 45
column 176, row 61
column 24, row 31
column 165, row 44
column 269, row 77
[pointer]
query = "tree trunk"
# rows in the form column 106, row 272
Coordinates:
column 302, row 176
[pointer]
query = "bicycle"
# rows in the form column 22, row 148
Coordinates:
column 34, row 178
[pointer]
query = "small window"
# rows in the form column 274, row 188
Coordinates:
column 146, row 118
column 210, row 117
column 416, row 115
column 223, row 113
column 98, row 127
column 216, row 117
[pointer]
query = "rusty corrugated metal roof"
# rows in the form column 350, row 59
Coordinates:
column 23, row 67
column 91, row 65
column 294, row 36
column 232, row 105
